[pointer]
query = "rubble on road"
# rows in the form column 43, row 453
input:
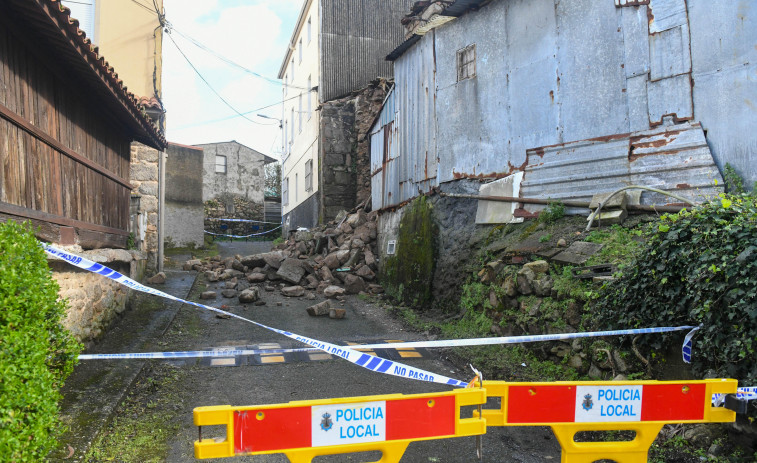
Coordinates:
column 335, row 259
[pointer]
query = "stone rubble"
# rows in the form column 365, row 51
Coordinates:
column 335, row 259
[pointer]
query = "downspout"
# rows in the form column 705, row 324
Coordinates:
column 161, row 206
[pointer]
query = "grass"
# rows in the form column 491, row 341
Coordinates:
column 142, row 428
column 620, row 245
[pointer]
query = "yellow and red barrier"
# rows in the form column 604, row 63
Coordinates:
column 388, row 423
column 307, row 429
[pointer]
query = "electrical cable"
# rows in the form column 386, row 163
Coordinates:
column 210, row 86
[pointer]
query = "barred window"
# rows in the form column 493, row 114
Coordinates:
column 466, row 62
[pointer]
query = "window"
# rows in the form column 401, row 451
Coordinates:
column 292, row 125
column 285, row 192
column 310, row 26
column 466, row 62
column 286, row 138
column 292, row 70
column 286, row 81
column 310, row 108
column 299, row 113
column 300, row 51
column 309, row 175
column 220, row 164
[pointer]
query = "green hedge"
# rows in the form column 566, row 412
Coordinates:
column 699, row 267
column 36, row 353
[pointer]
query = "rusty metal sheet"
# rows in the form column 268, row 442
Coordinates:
column 675, row 158
column 666, row 14
column 670, row 53
column 670, row 97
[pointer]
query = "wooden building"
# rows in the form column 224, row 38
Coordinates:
column 66, row 124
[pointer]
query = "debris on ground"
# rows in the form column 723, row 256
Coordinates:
column 335, row 259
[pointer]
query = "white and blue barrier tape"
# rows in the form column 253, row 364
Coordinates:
column 348, row 353
column 241, row 220
column 369, row 362
column 242, row 236
column 743, row 393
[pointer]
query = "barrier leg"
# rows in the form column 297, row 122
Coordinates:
column 391, row 452
column 633, row 451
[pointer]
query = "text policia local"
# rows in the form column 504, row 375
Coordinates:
column 354, row 416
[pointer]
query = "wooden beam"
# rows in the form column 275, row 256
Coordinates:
column 42, row 136
column 26, row 213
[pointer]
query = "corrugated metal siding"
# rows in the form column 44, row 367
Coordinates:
column 552, row 72
column 356, row 35
column 674, row 158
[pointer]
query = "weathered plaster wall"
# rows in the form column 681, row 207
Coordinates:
column 184, row 207
column 144, row 178
column 244, row 172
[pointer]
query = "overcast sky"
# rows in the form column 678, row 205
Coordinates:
column 252, row 33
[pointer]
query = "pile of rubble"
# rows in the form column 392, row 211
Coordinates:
column 337, row 259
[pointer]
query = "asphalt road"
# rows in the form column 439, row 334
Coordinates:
column 271, row 379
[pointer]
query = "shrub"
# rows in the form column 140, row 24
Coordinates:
column 699, row 267
column 36, row 353
column 554, row 211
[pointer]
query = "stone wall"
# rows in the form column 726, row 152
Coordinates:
column 144, row 178
column 94, row 301
column 244, row 176
column 345, row 158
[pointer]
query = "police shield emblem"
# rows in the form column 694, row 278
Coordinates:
column 587, row 403
column 326, row 422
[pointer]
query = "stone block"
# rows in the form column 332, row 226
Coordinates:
column 618, row 201
column 157, row 279
column 256, row 277
column 249, row 295
column 293, row 291
column 333, row 291
column 208, row 295
column 337, row 313
column 291, row 270
column 353, row 284
column 539, row 266
column 319, row 310
column 577, row 253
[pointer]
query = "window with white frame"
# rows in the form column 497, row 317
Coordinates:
column 310, row 107
column 220, row 164
column 285, row 192
column 286, row 138
column 299, row 112
column 292, row 134
column 466, row 62
column 286, row 82
column 309, row 175
column 310, row 27
column 293, row 70
column 300, row 50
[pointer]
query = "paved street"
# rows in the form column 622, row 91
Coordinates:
column 274, row 378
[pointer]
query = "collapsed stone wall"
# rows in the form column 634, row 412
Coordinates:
column 345, row 158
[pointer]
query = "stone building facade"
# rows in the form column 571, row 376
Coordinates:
column 145, row 177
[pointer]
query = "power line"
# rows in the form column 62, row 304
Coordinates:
column 242, row 114
column 228, row 61
column 145, row 7
column 208, row 83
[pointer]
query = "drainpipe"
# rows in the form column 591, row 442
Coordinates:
column 161, row 206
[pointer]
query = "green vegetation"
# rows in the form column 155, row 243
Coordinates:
column 37, row 354
column 554, row 211
column 620, row 245
column 698, row 267
column 141, row 430
column 407, row 274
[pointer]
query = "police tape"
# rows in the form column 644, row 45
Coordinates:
column 447, row 343
column 242, row 236
column 348, row 353
column 219, row 219
column 366, row 361
column 744, row 393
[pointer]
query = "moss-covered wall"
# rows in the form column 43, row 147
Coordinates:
column 408, row 273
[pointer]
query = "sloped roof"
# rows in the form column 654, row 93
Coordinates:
column 52, row 27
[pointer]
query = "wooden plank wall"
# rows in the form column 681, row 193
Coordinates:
column 63, row 159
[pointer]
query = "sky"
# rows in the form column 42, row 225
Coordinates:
column 251, row 33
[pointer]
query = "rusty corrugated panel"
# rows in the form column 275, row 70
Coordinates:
column 666, row 14
column 674, row 158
